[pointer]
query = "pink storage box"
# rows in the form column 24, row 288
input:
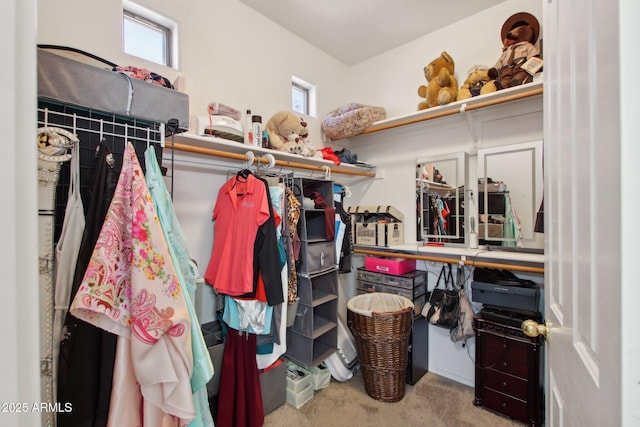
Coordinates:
column 396, row 266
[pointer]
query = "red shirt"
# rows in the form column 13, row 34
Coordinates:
column 241, row 207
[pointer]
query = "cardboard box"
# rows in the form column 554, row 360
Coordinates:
column 395, row 266
column 494, row 231
column 377, row 225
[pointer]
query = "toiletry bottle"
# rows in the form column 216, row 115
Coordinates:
column 248, row 128
column 256, row 130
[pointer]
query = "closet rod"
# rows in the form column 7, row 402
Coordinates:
column 471, row 262
column 453, row 111
column 286, row 163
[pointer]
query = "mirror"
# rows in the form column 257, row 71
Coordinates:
column 439, row 199
column 509, row 195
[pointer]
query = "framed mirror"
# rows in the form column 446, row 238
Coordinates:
column 510, row 187
column 440, row 181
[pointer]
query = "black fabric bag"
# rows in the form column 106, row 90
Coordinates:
column 443, row 306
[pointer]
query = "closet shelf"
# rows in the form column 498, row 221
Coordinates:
column 217, row 147
column 432, row 186
column 516, row 261
column 484, row 102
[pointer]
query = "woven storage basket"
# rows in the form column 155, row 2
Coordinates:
column 382, row 340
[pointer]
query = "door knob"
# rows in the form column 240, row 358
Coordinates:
column 531, row 328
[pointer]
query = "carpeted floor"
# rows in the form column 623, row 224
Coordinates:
column 434, row 401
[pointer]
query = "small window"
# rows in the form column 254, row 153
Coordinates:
column 148, row 35
column 302, row 97
column 299, row 98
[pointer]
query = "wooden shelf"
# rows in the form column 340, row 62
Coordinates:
column 217, row 147
column 431, row 186
column 496, row 258
column 521, row 92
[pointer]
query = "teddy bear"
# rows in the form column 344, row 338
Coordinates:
column 309, row 148
column 292, row 144
column 284, row 129
column 442, row 85
column 519, row 34
column 476, row 82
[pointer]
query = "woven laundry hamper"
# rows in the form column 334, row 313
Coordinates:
column 381, row 324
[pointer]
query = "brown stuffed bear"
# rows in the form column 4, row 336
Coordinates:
column 443, row 86
column 476, row 83
column 519, row 34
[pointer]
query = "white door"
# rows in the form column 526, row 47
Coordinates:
column 582, row 202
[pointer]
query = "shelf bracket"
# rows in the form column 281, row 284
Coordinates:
column 470, row 124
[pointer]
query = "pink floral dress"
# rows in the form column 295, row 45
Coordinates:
column 130, row 289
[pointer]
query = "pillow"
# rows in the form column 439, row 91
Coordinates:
column 350, row 120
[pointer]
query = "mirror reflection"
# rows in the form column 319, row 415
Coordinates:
column 509, row 195
column 439, row 202
column 495, row 205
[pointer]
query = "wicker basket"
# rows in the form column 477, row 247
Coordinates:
column 382, row 340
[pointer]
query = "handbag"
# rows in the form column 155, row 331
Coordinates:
column 464, row 328
column 443, row 306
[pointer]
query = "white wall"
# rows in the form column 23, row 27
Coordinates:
column 228, row 52
column 391, row 80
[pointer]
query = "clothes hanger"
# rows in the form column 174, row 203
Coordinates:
column 245, row 171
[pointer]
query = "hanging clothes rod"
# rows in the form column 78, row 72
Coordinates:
column 283, row 163
column 453, row 260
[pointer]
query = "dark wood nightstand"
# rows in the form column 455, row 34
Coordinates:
column 509, row 372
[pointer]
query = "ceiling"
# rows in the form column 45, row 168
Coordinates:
column 355, row 30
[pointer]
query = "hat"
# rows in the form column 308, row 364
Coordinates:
column 517, row 20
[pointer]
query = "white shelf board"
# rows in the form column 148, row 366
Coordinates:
column 228, row 146
column 483, row 253
column 500, row 102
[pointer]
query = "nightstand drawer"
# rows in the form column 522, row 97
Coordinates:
column 503, row 363
column 509, row 372
column 509, row 347
column 507, row 384
column 509, row 406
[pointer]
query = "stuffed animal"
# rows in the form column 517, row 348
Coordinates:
column 442, row 86
column 292, row 145
column 519, row 35
column 284, row 129
column 476, row 82
column 310, row 149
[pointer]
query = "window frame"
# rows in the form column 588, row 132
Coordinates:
column 309, row 92
column 298, row 88
column 156, row 22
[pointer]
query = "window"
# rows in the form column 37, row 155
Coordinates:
column 299, row 98
column 148, row 35
column 302, row 96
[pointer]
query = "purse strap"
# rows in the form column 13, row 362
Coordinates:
column 459, row 284
column 448, row 278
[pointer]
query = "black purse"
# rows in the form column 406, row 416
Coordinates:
column 443, row 307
